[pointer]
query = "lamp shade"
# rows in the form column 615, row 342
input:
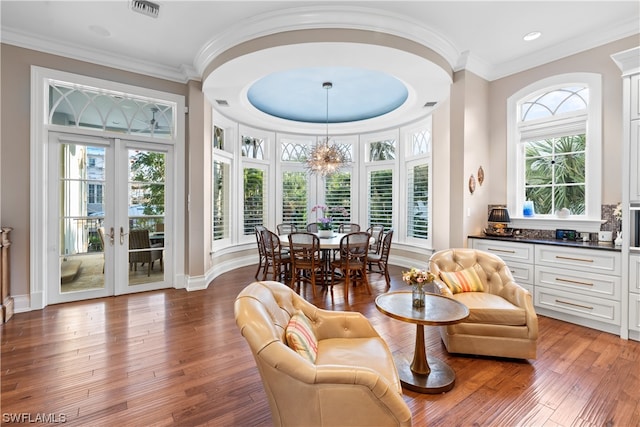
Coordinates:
column 499, row 215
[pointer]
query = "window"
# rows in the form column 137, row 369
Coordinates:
column 294, row 198
column 382, row 150
column 418, row 201
column 380, row 196
column 254, row 199
column 554, row 148
column 95, row 193
column 221, row 200
column 218, row 138
column 78, row 106
column 253, row 148
column 338, row 195
column 420, row 142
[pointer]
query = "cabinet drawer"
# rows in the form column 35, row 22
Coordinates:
column 634, row 273
column 591, row 260
column 601, row 310
column 596, row 285
column 508, row 251
column 522, row 273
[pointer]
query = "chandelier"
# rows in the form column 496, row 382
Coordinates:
column 325, row 159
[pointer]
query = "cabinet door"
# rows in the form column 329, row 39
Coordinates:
column 634, row 175
column 634, row 273
column 634, row 312
column 635, row 97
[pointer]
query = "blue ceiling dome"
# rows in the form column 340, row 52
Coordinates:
column 356, row 94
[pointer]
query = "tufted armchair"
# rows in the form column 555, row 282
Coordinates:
column 353, row 380
column 502, row 321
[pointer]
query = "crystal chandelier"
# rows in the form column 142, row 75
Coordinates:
column 325, row 159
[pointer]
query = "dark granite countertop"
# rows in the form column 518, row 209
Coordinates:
column 608, row 246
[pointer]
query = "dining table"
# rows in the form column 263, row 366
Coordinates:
column 327, row 244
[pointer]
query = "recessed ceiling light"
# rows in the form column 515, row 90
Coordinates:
column 99, row 30
column 532, row 36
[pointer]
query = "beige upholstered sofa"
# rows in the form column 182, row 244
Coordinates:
column 502, row 321
column 354, row 380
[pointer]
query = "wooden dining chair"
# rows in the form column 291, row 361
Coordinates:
column 261, row 251
column 381, row 260
column 286, row 228
column 376, row 232
column 348, row 228
column 312, row 227
column 276, row 260
column 306, row 260
column 352, row 263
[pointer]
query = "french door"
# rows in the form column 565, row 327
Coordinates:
column 109, row 226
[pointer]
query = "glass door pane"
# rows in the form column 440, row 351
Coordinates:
column 146, row 216
column 81, row 190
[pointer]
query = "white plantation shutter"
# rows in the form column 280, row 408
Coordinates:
column 380, row 197
column 255, row 192
column 221, row 200
column 294, row 198
column 418, row 201
column 338, row 195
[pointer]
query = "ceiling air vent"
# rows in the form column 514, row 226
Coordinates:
column 222, row 102
column 430, row 104
column 145, row 7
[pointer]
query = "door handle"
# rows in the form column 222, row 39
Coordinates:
column 112, row 236
column 122, row 234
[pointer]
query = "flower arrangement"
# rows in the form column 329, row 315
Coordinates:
column 416, row 276
column 617, row 212
column 325, row 221
column 417, row 279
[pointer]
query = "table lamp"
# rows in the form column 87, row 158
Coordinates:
column 498, row 219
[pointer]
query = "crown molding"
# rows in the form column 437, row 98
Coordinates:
column 18, row 38
column 562, row 50
column 325, row 17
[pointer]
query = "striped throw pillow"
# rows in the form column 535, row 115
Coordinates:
column 466, row 280
column 300, row 337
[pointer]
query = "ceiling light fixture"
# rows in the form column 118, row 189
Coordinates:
column 325, row 159
column 532, row 36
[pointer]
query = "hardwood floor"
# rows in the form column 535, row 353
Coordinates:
column 174, row 357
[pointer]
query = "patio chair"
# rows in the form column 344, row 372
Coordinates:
column 141, row 251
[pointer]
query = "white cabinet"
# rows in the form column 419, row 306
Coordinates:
column 629, row 63
column 635, row 98
column 579, row 282
column 575, row 284
column 634, row 295
column 634, row 154
column 579, row 259
column 518, row 257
